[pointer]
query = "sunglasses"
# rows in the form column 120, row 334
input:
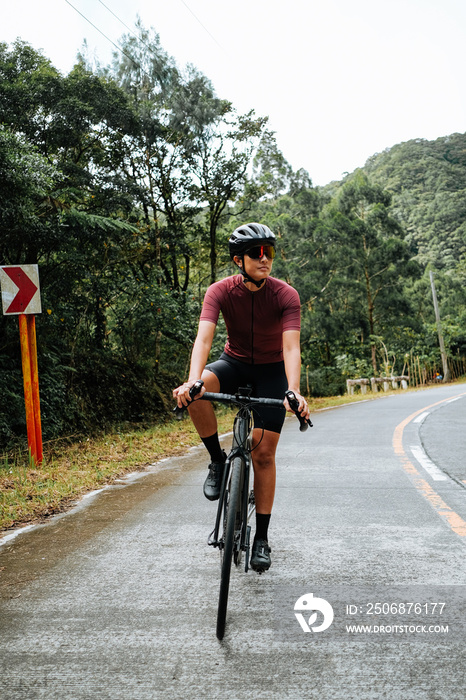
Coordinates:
column 258, row 252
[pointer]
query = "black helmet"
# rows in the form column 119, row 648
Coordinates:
column 248, row 235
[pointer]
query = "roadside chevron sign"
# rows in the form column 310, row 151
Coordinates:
column 20, row 289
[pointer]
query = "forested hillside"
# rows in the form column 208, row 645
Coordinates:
column 426, row 181
column 123, row 182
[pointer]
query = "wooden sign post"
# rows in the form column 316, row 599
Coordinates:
column 21, row 297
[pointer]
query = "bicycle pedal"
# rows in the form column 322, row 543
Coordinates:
column 211, row 541
column 259, row 570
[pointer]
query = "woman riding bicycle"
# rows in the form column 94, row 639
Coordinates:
column 262, row 317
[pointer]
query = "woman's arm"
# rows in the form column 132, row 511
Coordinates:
column 201, row 349
column 292, row 359
column 199, row 356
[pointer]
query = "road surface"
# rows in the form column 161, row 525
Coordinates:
column 118, row 598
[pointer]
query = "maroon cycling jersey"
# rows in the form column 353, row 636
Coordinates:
column 255, row 321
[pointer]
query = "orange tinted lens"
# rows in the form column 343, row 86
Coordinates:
column 259, row 251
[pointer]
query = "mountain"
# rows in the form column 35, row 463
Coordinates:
column 427, row 181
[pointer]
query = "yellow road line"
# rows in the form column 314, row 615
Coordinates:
column 454, row 521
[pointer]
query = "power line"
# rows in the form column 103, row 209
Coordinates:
column 148, row 47
column 116, row 17
column 101, row 32
column 124, row 53
column 133, row 33
column 202, row 25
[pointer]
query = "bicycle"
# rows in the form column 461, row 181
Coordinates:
column 231, row 533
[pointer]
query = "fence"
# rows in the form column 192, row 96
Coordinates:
column 419, row 373
column 423, row 372
column 374, row 382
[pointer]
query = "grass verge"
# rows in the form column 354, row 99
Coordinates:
column 74, row 466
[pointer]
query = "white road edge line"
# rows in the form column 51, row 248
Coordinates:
column 427, row 464
column 422, row 417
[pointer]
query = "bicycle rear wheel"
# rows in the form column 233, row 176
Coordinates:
column 229, row 542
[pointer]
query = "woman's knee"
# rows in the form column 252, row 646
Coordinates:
column 263, row 457
column 211, row 381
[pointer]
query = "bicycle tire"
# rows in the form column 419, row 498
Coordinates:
column 240, row 521
column 223, row 519
column 228, row 544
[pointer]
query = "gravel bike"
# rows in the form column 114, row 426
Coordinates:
column 232, row 532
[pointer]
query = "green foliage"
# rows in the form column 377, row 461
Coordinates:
column 12, row 419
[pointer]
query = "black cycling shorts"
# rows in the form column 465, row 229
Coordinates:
column 267, row 381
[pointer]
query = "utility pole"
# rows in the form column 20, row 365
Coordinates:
column 446, row 371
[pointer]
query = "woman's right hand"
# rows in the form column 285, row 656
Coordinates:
column 181, row 393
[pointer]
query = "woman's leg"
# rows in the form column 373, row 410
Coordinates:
column 204, row 419
column 201, row 412
column 263, row 458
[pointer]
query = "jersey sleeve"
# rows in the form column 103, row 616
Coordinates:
column 211, row 305
column 291, row 310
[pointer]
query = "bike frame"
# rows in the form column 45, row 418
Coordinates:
column 241, row 451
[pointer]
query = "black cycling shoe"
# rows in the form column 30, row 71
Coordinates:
column 260, row 557
column 213, row 483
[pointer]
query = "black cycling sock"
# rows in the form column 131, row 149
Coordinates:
column 213, row 447
column 262, row 526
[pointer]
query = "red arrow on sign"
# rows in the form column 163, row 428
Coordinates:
column 26, row 289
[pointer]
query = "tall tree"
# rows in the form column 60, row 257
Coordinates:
column 377, row 255
column 272, row 173
column 220, row 158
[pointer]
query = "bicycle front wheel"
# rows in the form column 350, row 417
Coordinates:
column 229, row 542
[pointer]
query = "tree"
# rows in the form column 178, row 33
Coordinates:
column 191, row 156
column 26, row 180
column 272, row 174
column 220, row 161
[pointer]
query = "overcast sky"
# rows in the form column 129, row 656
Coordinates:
column 339, row 79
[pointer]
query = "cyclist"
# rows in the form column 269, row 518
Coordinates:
column 262, row 316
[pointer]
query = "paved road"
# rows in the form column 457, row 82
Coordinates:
column 118, row 599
